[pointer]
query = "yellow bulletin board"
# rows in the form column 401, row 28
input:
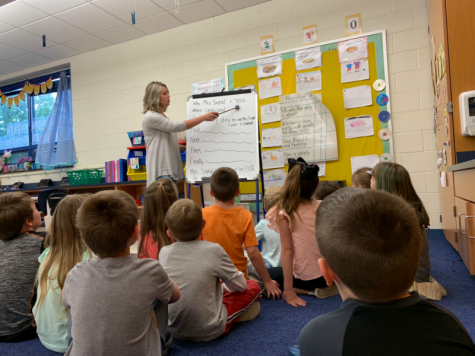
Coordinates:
column 244, row 73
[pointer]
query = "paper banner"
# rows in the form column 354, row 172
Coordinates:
column 43, row 88
column 10, row 102
column 4, row 100
column 49, row 83
column 37, row 89
column 28, row 88
column 16, row 100
column 22, row 96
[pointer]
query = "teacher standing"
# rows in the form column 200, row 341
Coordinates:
column 163, row 150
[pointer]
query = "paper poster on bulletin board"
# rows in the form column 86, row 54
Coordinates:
column 371, row 53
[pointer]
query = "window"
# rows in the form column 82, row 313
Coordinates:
column 21, row 126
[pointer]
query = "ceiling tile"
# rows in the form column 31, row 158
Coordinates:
column 24, row 40
column 198, row 11
column 54, row 6
column 7, row 52
column 158, row 23
column 55, row 29
column 170, row 4
column 86, row 44
column 120, row 34
column 121, row 9
column 19, row 14
column 233, row 5
column 90, row 18
column 30, row 60
column 8, row 67
column 58, row 52
column 4, row 27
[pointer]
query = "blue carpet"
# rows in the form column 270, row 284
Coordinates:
column 279, row 324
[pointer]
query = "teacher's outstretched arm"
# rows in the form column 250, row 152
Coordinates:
column 198, row 120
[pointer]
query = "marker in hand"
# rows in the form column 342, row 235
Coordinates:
column 234, row 108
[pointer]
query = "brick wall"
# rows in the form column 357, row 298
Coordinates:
column 108, row 84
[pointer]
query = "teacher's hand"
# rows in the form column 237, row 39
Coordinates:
column 211, row 116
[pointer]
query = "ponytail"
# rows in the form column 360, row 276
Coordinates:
column 159, row 197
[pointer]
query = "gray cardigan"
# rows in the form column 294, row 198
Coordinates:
column 163, row 151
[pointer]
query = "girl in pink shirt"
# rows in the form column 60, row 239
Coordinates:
column 159, row 197
column 294, row 218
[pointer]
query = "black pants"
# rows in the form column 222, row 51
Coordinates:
column 277, row 275
column 24, row 335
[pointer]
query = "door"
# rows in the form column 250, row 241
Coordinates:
column 443, row 121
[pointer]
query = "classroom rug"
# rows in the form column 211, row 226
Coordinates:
column 279, row 324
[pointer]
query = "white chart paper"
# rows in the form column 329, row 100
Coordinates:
column 359, row 126
column 353, row 49
column 209, row 86
column 322, row 168
column 269, row 88
column 272, row 159
column 272, row 137
column 309, row 81
column 354, row 71
column 269, row 67
column 357, row 97
column 363, row 161
column 276, row 177
column 270, row 113
column 229, row 141
column 308, row 58
column 308, row 129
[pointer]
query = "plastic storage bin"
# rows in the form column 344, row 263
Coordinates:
column 84, row 176
column 137, row 174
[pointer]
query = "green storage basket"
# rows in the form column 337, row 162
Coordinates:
column 84, row 176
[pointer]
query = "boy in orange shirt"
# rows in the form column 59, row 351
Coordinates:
column 232, row 228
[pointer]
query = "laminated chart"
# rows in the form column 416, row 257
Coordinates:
column 308, row 129
column 229, row 141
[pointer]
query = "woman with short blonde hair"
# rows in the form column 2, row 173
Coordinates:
column 163, row 158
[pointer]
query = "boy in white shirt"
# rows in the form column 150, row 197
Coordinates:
column 203, row 313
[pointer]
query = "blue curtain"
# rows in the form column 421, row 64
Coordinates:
column 59, row 128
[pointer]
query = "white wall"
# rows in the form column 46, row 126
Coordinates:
column 108, row 84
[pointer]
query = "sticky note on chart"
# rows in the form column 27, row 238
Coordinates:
column 357, row 97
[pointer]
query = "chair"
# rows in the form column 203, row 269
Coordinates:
column 48, row 200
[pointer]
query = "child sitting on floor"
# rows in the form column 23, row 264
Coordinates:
column 370, row 242
column 110, row 298
column 64, row 249
column 19, row 252
column 159, row 197
column 362, row 178
column 325, row 188
column 270, row 239
column 232, row 227
column 202, row 313
column 395, row 179
column 294, row 218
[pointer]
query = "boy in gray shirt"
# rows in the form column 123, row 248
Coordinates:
column 19, row 252
column 203, row 313
column 110, row 298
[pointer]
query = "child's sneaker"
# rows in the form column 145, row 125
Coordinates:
column 326, row 292
column 443, row 292
column 430, row 289
column 251, row 312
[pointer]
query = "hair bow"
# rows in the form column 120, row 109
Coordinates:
column 308, row 171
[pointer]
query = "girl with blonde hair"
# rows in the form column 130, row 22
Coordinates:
column 64, row 249
column 159, row 197
column 163, row 158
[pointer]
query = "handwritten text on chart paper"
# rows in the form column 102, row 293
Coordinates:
column 228, row 141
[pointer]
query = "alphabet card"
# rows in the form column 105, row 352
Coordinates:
column 272, row 137
column 354, row 71
column 353, row 25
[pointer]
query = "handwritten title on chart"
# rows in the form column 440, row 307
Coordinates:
column 228, row 141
